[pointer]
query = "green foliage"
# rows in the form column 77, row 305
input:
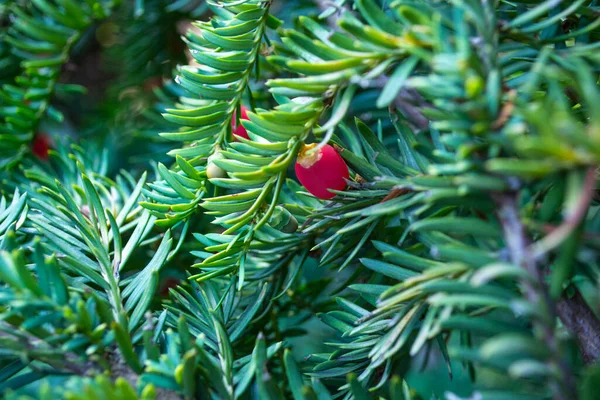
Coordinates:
column 155, row 254
column 42, row 46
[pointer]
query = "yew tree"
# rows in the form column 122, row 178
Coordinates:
column 299, row 199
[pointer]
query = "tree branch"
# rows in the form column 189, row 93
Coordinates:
column 72, row 363
column 324, row 5
column 574, row 312
column 578, row 317
column 536, row 292
column 69, row 361
column 570, row 223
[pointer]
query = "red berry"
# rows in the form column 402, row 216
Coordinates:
column 152, row 82
column 321, row 170
column 239, row 130
column 40, row 146
column 168, row 283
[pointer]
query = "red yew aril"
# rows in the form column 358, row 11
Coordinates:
column 169, row 282
column 153, row 82
column 41, row 145
column 321, row 170
column 239, row 130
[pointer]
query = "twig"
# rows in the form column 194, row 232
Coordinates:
column 548, row 228
column 70, row 361
column 505, row 112
column 537, row 293
column 394, row 193
column 558, row 235
column 577, row 315
column 324, row 5
column 574, row 312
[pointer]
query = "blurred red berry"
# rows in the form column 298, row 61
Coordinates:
column 239, row 130
column 166, row 284
column 321, row 170
column 41, row 145
column 153, row 82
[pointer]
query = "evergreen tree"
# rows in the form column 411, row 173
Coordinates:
column 264, row 199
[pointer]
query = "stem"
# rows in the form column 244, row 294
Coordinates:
column 70, row 361
column 574, row 311
column 332, row 19
column 562, row 232
column 536, row 292
column 254, row 53
column 576, row 314
column 325, row 140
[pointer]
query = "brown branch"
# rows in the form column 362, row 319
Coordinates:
column 574, row 311
column 536, row 292
column 558, row 235
column 505, row 112
column 548, row 228
column 578, row 317
column 394, row 193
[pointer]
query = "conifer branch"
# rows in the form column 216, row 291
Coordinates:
column 326, row 6
column 580, row 319
column 404, row 228
column 536, row 292
column 573, row 310
column 408, row 101
column 35, row 348
column 47, row 47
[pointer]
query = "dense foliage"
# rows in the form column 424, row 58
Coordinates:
column 261, row 199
